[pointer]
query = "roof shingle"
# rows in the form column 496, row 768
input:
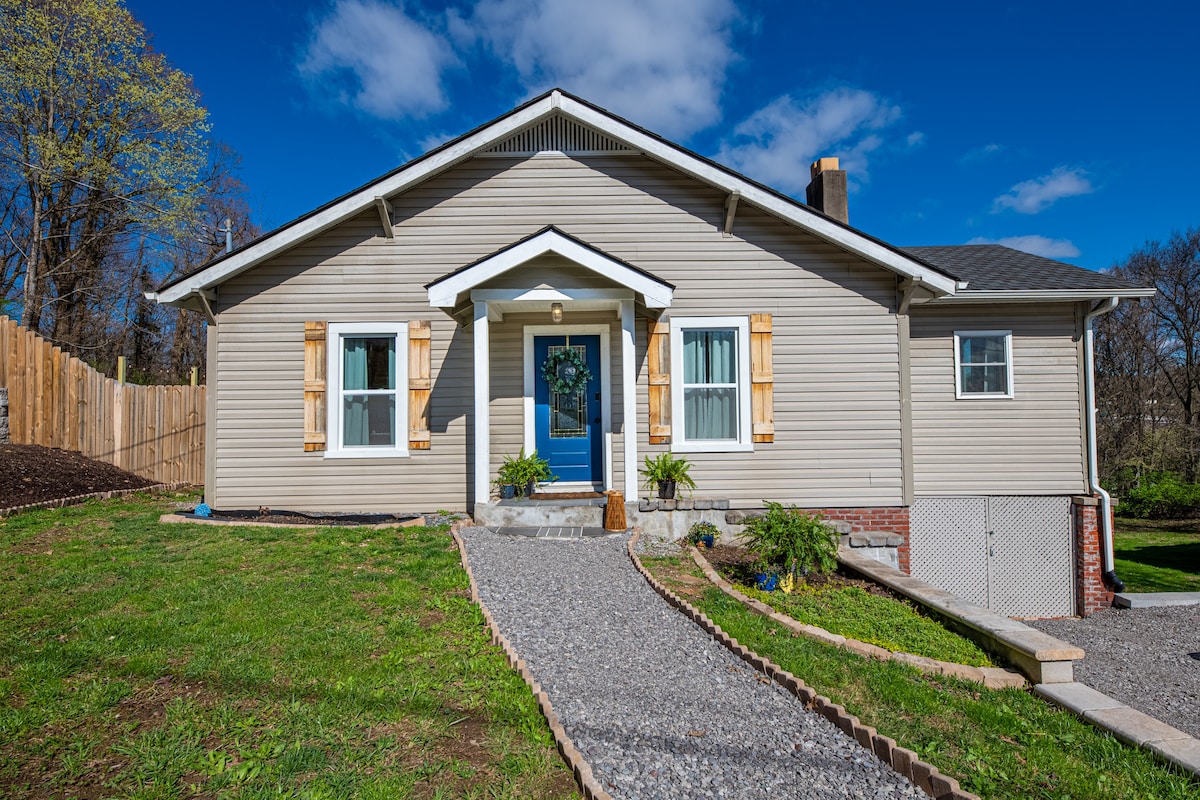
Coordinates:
column 996, row 268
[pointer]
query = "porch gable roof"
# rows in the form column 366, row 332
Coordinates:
column 451, row 289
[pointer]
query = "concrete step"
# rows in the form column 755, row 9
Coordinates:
column 1155, row 599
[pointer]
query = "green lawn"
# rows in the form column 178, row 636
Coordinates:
column 998, row 744
column 1158, row 555
column 169, row 661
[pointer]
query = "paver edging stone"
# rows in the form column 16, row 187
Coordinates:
column 74, row 500
column 905, row 762
column 580, row 769
column 991, row 677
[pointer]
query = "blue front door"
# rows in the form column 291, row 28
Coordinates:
column 568, row 426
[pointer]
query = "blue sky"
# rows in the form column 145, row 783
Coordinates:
column 1068, row 129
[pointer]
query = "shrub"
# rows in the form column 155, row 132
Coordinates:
column 702, row 528
column 792, row 540
column 1161, row 495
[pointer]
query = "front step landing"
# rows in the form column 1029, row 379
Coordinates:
column 526, row 513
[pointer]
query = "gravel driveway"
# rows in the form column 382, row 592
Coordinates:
column 1148, row 658
column 658, row 708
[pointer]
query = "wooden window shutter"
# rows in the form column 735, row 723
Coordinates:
column 762, row 379
column 420, row 384
column 658, row 364
column 314, row 386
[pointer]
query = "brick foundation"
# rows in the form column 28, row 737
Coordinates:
column 1091, row 595
column 891, row 518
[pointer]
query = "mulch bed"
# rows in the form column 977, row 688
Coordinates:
column 281, row 517
column 736, row 565
column 30, row 473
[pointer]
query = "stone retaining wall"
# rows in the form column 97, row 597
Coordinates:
column 4, row 434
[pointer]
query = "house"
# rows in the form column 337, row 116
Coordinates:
column 384, row 352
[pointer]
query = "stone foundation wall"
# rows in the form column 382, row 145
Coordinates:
column 1091, row 594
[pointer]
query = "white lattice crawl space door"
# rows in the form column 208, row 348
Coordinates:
column 1009, row 554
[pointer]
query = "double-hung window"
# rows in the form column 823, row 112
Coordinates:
column 368, row 374
column 710, row 384
column 983, row 364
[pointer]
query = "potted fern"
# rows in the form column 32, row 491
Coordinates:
column 519, row 475
column 666, row 473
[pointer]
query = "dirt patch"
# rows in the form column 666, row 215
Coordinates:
column 30, row 473
column 42, row 774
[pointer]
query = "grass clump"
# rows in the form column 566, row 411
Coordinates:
column 884, row 621
column 147, row 660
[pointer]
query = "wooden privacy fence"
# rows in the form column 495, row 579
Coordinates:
column 56, row 400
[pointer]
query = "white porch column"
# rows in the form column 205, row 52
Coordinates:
column 629, row 397
column 483, row 453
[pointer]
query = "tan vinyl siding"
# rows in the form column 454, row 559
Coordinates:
column 837, row 430
column 1029, row 445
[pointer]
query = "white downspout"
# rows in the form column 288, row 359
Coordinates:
column 1093, row 471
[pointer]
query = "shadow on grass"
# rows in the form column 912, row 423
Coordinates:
column 1179, row 557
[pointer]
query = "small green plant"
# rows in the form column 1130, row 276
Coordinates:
column 666, row 472
column 523, row 471
column 792, row 540
column 698, row 534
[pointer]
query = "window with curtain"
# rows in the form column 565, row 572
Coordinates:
column 369, row 409
column 710, row 383
column 983, row 364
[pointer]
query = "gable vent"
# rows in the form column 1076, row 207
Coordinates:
column 558, row 134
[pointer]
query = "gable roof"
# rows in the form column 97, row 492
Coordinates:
column 446, row 291
column 555, row 102
column 994, row 272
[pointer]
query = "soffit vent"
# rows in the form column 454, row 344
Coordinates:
column 557, row 134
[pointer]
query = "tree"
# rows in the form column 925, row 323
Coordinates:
column 1148, row 362
column 101, row 146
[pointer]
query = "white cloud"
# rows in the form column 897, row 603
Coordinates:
column 661, row 63
column 777, row 143
column 1037, row 245
column 981, row 153
column 1034, row 196
column 915, row 139
column 373, row 56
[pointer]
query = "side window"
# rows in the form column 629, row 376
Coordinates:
column 367, row 404
column 983, row 364
column 710, row 384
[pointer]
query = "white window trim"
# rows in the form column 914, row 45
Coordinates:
column 333, row 353
column 745, row 442
column 958, row 365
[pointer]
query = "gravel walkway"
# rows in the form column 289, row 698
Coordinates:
column 1148, row 658
column 658, row 708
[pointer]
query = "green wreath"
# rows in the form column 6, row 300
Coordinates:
column 566, row 372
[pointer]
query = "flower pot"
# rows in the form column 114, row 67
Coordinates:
column 666, row 490
column 530, row 488
column 508, row 491
column 766, row 581
column 705, row 540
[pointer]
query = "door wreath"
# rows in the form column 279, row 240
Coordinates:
column 565, row 372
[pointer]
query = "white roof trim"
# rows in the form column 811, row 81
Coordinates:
column 1038, row 295
column 662, row 151
column 445, row 292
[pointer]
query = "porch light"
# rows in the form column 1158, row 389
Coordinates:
column 556, row 312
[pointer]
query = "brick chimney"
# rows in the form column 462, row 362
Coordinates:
column 827, row 192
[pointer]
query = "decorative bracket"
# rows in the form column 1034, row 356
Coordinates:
column 731, row 204
column 385, row 216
